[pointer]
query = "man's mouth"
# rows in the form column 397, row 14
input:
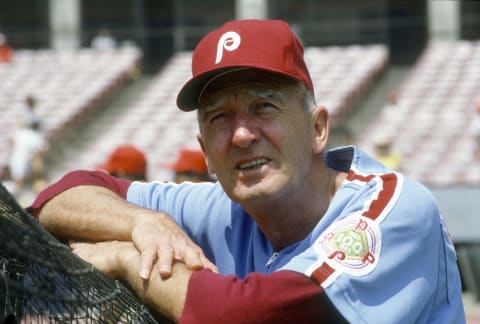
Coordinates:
column 252, row 164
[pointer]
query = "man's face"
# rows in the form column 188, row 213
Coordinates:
column 256, row 135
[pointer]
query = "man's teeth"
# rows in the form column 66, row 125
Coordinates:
column 252, row 164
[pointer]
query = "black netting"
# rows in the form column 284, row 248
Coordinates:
column 41, row 281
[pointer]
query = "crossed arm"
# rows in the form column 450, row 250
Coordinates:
column 98, row 212
column 127, row 240
column 206, row 297
column 121, row 260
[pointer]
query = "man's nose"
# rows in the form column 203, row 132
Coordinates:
column 244, row 132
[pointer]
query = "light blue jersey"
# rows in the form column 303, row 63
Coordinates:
column 381, row 251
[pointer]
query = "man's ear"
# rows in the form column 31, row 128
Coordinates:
column 321, row 128
column 202, row 146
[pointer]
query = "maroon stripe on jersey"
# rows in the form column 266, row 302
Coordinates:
column 322, row 273
column 384, row 197
column 389, row 183
column 353, row 176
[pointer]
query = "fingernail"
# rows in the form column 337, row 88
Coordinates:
column 144, row 274
column 164, row 269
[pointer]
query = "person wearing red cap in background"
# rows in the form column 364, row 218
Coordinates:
column 5, row 50
column 126, row 162
column 298, row 233
column 190, row 165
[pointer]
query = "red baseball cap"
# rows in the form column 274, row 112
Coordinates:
column 126, row 158
column 190, row 161
column 268, row 45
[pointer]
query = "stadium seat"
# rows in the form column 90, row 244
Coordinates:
column 67, row 84
column 430, row 118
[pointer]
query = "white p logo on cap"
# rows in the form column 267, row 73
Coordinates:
column 229, row 41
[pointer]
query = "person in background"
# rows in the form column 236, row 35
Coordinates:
column 290, row 233
column 31, row 114
column 103, row 40
column 5, row 49
column 126, row 162
column 26, row 164
column 386, row 154
column 190, row 165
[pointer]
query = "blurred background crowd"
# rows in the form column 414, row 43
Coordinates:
column 85, row 83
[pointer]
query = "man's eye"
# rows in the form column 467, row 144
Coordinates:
column 217, row 118
column 266, row 107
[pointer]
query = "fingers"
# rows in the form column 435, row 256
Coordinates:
column 165, row 261
column 207, row 264
column 192, row 255
column 79, row 248
column 173, row 249
column 194, row 259
column 148, row 258
column 102, row 255
column 181, row 251
column 162, row 242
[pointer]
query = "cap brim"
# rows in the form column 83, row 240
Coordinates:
column 187, row 99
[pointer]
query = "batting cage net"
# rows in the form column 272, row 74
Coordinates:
column 41, row 281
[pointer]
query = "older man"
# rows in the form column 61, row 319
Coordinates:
column 297, row 234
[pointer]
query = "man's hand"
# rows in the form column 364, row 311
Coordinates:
column 121, row 260
column 160, row 240
column 105, row 256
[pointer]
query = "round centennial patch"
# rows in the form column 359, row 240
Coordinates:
column 351, row 245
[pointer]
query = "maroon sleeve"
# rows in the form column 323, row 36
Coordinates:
column 280, row 297
column 78, row 178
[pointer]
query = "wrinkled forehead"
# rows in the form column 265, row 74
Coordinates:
column 252, row 83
